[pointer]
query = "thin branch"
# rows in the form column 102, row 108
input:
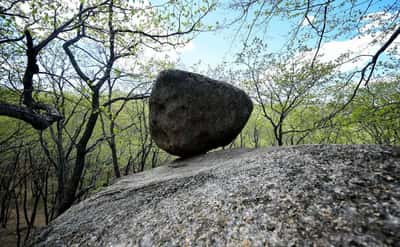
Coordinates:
column 72, row 59
column 12, row 40
column 127, row 98
column 321, row 35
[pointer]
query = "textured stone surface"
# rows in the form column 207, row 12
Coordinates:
column 316, row 195
column 191, row 114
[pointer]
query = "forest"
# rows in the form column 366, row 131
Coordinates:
column 76, row 75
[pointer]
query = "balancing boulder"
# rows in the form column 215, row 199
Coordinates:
column 191, row 114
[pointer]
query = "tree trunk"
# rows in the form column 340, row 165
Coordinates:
column 113, row 147
column 81, row 151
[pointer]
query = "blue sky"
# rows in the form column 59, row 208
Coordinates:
column 211, row 48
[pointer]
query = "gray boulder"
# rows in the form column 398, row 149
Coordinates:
column 191, row 114
column 315, row 195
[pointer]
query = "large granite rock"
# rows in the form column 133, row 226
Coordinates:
column 322, row 195
column 191, row 114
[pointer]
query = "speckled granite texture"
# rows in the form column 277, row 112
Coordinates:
column 311, row 195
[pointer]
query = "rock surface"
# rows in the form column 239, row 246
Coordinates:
column 313, row 195
column 191, row 114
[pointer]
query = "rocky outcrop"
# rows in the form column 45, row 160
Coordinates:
column 316, row 195
column 191, row 114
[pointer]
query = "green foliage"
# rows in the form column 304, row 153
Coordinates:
column 376, row 110
column 373, row 118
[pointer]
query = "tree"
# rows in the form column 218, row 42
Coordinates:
column 316, row 23
column 283, row 87
column 99, row 40
column 376, row 111
column 10, row 15
column 168, row 22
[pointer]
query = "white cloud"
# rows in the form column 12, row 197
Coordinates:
column 357, row 49
column 355, row 52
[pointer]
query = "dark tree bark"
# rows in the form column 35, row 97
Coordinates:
column 31, row 113
column 81, row 151
column 39, row 121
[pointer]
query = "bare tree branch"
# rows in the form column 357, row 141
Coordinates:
column 37, row 120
